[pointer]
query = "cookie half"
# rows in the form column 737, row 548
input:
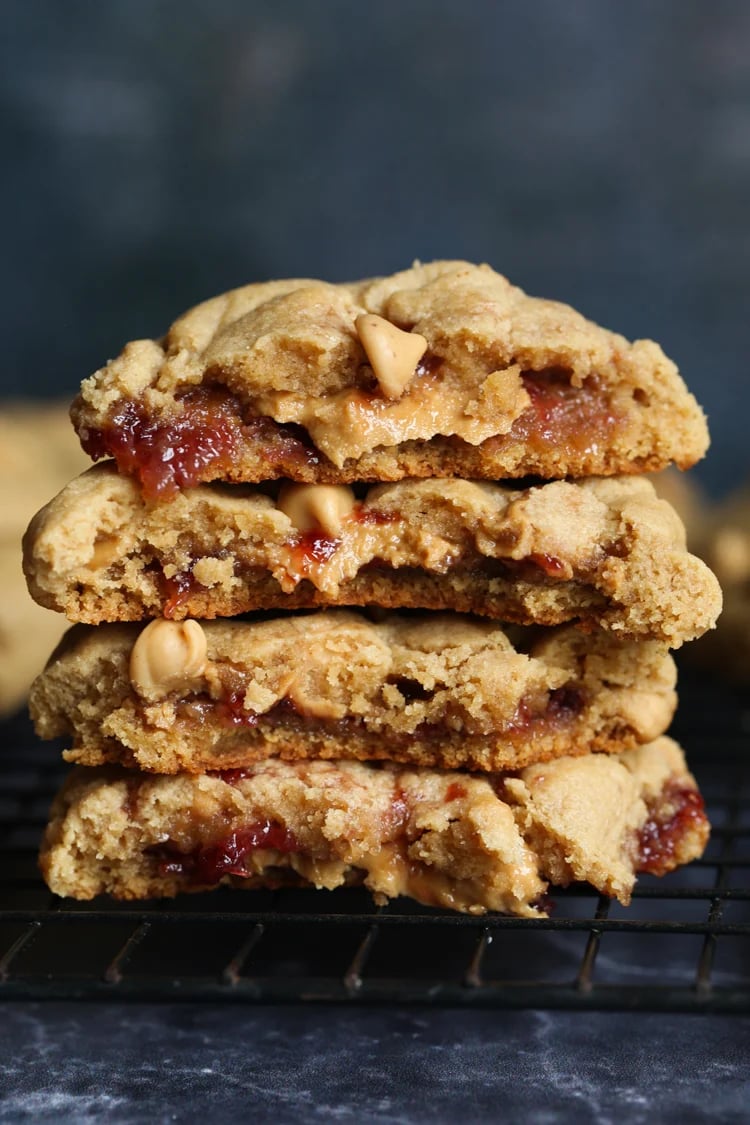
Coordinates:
column 604, row 552
column 440, row 690
column 442, row 370
column 448, row 839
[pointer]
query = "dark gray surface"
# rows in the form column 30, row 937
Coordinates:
column 159, row 151
column 72, row 1063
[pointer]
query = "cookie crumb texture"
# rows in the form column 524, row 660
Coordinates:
column 283, row 380
column 604, row 552
column 442, row 690
column 457, row 841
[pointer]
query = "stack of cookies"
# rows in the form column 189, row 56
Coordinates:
column 317, row 641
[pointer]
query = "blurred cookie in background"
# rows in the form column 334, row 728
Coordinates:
column 726, row 547
column 729, row 541
column 684, row 492
column 39, row 453
column 719, row 533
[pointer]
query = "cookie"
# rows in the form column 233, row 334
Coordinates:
column 439, row 690
column 686, row 495
column 603, row 552
column 442, row 370
column 39, row 453
column 725, row 543
column 458, row 841
column 27, row 632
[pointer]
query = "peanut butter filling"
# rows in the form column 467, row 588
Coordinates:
column 353, row 421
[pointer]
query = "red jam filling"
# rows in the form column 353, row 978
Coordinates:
column 455, row 791
column 176, row 591
column 281, row 446
column 534, row 568
column 232, row 712
column 397, row 815
column 564, row 705
column 374, row 516
column 312, row 547
column 231, row 777
column 200, row 443
column 551, row 566
column 579, row 419
column 167, row 456
column 209, row 863
column 679, row 812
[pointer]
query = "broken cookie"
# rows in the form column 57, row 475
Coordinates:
column 429, row 690
column 445, row 369
column 604, row 552
column 458, row 841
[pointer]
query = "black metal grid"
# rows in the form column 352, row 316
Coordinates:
column 682, row 945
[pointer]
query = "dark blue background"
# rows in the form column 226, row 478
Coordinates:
column 158, row 151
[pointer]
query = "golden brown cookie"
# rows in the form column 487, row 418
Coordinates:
column 442, row 370
column 439, row 690
column 448, row 839
column 603, row 552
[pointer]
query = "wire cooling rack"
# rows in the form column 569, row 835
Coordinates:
column 682, row 945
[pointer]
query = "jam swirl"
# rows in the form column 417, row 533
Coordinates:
column 207, row 864
column 679, row 813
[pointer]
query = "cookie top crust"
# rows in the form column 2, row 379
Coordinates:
column 605, row 552
column 311, row 381
column 438, row 690
column 459, row 841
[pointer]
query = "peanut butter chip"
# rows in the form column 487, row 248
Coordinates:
column 168, row 656
column 311, row 506
column 104, row 552
column 393, row 353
